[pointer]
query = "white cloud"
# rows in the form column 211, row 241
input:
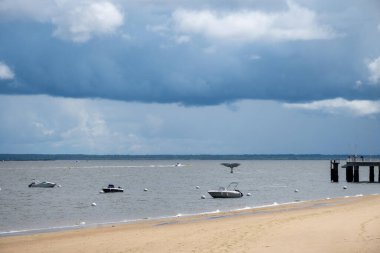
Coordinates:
column 76, row 20
column 43, row 124
column 340, row 105
column 5, row 72
column 182, row 39
column 296, row 23
column 84, row 21
column 374, row 70
column 43, row 129
column 358, row 83
column 159, row 29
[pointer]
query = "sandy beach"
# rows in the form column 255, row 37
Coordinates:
column 335, row 225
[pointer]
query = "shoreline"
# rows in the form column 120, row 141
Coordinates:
column 44, row 230
column 347, row 224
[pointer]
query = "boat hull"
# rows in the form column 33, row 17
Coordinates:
column 110, row 190
column 43, row 185
column 225, row 194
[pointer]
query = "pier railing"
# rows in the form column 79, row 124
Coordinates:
column 361, row 159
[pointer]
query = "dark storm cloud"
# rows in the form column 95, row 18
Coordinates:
column 155, row 57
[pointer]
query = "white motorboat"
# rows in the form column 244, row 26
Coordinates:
column 44, row 184
column 112, row 188
column 230, row 192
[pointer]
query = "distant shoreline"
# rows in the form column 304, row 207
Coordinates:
column 53, row 157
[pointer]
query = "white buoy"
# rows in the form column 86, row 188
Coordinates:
column 344, row 187
column 93, row 204
column 146, row 189
column 203, row 197
column 197, row 187
column 296, row 190
column 249, row 194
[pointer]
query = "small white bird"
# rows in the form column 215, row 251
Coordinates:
column 344, row 187
column 197, row 187
column 93, row 204
column 249, row 194
column 203, row 197
column 146, row 189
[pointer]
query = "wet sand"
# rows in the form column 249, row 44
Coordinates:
column 336, row 225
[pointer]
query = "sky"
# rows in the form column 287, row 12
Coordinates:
column 190, row 77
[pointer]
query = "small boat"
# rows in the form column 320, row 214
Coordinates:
column 229, row 192
column 43, row 184
column 112, row 188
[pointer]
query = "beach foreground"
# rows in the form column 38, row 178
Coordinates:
column 336, row 225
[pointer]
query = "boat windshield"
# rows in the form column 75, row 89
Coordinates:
column 232, row 186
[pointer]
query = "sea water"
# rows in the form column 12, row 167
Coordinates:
column 155, row 189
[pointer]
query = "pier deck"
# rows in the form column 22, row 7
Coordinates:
column 362, row 163
column 352, row 167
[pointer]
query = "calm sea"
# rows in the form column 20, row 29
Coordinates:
column 171, row 191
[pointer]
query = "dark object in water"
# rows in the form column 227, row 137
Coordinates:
column 44, row 184
column 231, row 165
column 112, row 188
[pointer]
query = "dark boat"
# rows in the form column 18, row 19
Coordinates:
column 112, row 188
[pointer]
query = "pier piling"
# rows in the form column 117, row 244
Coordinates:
column 371, row 174
column 334, row 165
column 349, row 174
column 356, row 174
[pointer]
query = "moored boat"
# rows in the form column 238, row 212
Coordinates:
column 44, row 184
column 111, row 188
column 230, row 192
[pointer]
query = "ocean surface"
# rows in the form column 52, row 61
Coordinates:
column 171, row 190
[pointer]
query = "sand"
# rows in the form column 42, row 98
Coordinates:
column 337, row 225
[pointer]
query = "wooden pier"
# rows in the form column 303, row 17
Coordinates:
column 352, row 166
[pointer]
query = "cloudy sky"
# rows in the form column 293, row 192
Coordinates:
column 190, row 77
